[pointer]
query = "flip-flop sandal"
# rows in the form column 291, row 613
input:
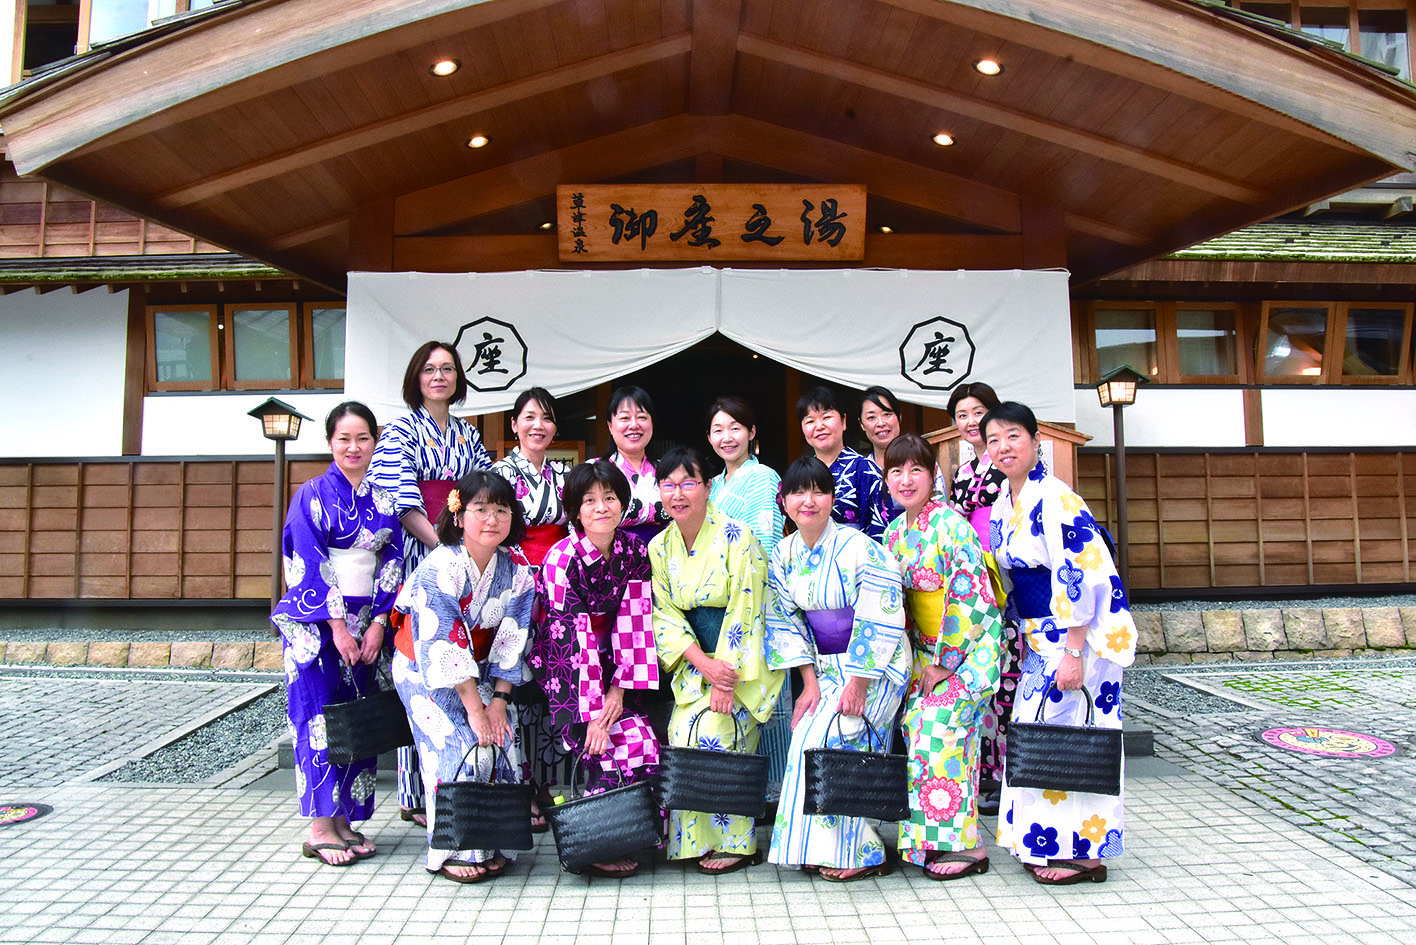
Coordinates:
column 976, row 865
column 1081, row 873
column 312, row 850
column 481, row 877
column 360, row 841
column 412, row 814
column 594, row 870
column 880, row 869
column 743, row 861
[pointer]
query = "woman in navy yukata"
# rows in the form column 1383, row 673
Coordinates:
column 342, row 547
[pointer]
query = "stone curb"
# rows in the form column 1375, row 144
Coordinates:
column 187, row 654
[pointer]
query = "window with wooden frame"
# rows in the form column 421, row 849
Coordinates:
column 1381, row 27
column 268, row 346
column 1125, row 333
column 1335, row 343
column 183, row 348
column 1171, row 342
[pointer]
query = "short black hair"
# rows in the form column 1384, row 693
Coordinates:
column 735, row 407
column 909, row 448
column 578, row 481
column 346, row 408
column 880, row 397
column 686, row 458
column 806, row 473
column 412, row 392
column 978, row 390
column 543, row 399
column 482, row 485
column 819, row 398
column 1010, row 411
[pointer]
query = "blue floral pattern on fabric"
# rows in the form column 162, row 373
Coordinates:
column 1081, row 847
column 1038, row 472
column 1076, row 533
column 732, row 531
column 1035, row 516
column 1042, row 841
column 1050, row 629
column 1109, row 697
column 1119, row 600
column 1071, row 576
column 1112, row 844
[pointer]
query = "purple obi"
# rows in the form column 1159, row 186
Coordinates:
column 831, row 629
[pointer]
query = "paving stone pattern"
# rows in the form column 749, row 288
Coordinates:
column 1362, row 805
column 54, row 730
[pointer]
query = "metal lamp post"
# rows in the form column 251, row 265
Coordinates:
column 279, row 422
column 1117, row 390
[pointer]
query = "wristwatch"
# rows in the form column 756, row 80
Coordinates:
column 1071, row 652
column 498, row 694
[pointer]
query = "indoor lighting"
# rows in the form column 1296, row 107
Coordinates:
column 988, row 66
column 478, row 141
column 444, row 67
column 548, row 225
column 887, row 229
column 1311, row 371
column 943, row 139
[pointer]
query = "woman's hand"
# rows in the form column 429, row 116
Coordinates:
column 497, row 722
column 347, row 646
column 1069, row 673
column 597, row 732
column 719, row 673
column 853, row 696
column 721, row 700
column 481, row 721
column 373, row 643
column 810, row 696
column 931, row 677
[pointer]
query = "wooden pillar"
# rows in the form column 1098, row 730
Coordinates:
column 135, row 371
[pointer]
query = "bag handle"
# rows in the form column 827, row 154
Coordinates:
column 871, row 734
column 491, row 778
column 580, row 765
column 737, row 728
column 1043, row 704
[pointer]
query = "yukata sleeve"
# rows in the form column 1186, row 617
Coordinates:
column 395, row 465
column 767, row 524
column 389, row 576
column 440, row 638
column 868, row 488
column 511, row 645
column 788, row 641
column 314, row 594
column 879, row 606
column 672, row 633
column 743, row 640
column 1086, row 589
column 556, row 649
column 481, row 459
column 971, row 608
column 636, row 660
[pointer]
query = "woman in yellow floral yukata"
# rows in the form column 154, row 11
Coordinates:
column 956, row 635
column 710, row 594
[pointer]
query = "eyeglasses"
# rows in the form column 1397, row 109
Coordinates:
column 433, row 370
column 685, row 487
column 484, row 513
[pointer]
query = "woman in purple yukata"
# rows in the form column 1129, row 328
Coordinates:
column 597, row 654
column 857, row 478
column 463, row 649
column 343, row 563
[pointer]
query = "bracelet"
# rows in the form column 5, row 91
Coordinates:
column 1071, row 652
column 503, row 696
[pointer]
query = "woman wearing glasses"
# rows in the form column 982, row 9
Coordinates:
column 419, row 457
column 710, row 591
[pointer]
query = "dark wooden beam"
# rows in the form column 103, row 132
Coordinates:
column 135, row 372
column 710, row 65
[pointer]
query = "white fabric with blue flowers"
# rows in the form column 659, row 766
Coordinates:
column 1048, row 525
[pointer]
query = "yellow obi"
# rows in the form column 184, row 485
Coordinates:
column 927, row 613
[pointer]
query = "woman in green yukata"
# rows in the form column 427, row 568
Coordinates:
column 710, row 595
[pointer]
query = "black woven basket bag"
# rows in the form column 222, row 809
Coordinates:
column 366, row 726
column 599, row 828
column 852, row 783
column 482, row 815
column 1056, row 757
column 726, row 781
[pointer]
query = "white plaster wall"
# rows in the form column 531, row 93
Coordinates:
column 61, row 376
column 218, row 425
column 1185, row 417
column 1326, row 416
column 9, row 11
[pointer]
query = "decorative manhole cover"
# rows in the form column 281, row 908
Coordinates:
column 19, row 813
column 1329, row 742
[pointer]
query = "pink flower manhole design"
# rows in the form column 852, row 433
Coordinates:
column 1329, row 742
column 19, row 813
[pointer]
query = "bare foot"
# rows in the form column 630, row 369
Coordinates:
column 624, row 865
column 360, row 845
column 716, row 862
column 950, row 867
column 1064, row 869
column 464, row 871
column 323, row 842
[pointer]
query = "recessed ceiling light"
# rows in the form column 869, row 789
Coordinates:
column 988, row 66
column 478, row 141
column 944, row 139
column 887, row 229
column 445, row 67
column 548, row 225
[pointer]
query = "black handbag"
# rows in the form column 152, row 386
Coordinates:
column 366, row 726
column 726, row 781
column 849, row 782
column 482, row 815
column 1055, row 757
column 599, row 828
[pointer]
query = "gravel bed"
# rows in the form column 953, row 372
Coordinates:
column 214, row 748
column 1384, row 600
column 151, row 675
column 1152, row 686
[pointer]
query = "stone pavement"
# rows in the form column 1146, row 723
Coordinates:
column 1208, row 859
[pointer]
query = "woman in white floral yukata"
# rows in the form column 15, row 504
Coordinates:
column 342, row 548
column 462, row 650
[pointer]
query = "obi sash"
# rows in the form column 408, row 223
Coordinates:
column 927, row 612
column 978, row 518
column 707, row 624
column 538, row 541
column 354, row 570
column 831, row 629
column 603, row 626
column 434, row 492
column 480, row 638
column 1032, row 592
